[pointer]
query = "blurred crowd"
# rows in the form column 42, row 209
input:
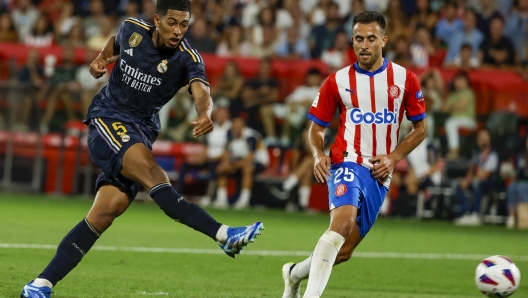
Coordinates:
column 423, row 34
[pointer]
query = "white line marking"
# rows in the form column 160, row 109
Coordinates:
column 276, row 253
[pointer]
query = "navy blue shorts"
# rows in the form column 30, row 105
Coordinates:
column 108, row 140
column 352, row 184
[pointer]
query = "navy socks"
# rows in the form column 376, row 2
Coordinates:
column 70, row 251
column 177, row 208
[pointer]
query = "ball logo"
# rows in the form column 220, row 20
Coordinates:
column 394, row 91
column 340, row 190
column 125, row 138
column 381, row 117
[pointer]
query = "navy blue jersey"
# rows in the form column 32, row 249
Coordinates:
column 145, row 78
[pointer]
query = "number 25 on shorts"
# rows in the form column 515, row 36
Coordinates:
column 348, row 175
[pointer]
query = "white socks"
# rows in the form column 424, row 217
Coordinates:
column 290, row 183
column 221, row 235
column 304, row 195
column 301, row 270
column 221, row 195
column 323, row 259
column 41, row 282
column 245, row 195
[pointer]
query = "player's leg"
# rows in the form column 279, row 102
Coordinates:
column 110, row 202
column 248, row 171
column 325, row 253
column 139, row 165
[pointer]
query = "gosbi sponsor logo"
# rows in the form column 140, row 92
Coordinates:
column 381, row 117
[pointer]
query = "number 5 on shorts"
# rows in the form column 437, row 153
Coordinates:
column 348, row 177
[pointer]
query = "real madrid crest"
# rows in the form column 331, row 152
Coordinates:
column 135, row 39
column 162, row 67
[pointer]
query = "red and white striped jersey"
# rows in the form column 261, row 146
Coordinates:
column 371, row 106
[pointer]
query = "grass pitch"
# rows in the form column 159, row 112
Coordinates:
column 429, row 259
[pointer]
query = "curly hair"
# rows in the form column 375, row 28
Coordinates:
column 163, row 6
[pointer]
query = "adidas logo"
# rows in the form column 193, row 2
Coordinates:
column 130, row 52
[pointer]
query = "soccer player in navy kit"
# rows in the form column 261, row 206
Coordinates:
column 153, row 63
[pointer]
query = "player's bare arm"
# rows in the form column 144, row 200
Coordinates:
column 322, row 162
column 204, row 105
column 109, row 54
column 383, row 164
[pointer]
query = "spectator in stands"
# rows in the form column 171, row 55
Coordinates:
column 302, row 174
column 397, row 26
column 8, row 32
column 340, row 54
column 487, row 13
column 233, row 43
column 393, row 9
column 299, row 22
column 423, row 17
column 52, row 8
column 42, row 35
column 464, row 61
column 518, row 188
column 322, row 36
column 433, row 92
column 24, row 16
column 422, row 48
column 91, row 23
column 283, row 15
column 230, row 86
column 479, row 179
column 64, row 23
column 268, row 45
column 468, row 35
column 293, row 47
column 449, row 25
column 317, row 14
column 297, row 104
column 29, row 79
column 400, row 54
column 98, row 41
column 131, row 11
column 63, row 85
column 377, row 5
column 210, row 156
column 516, row 28
column 148, row 11
column 266, row 91
column 244, row 155
column 496, row 42
column 356, row 7
column 75, row 38
column 266, row 19
column 199, row 39
column 460, row 105
column 88, row 86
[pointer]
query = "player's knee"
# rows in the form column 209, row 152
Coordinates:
column 102, row 221
column 152, row 174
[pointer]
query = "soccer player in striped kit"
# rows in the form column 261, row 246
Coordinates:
column 372, row 97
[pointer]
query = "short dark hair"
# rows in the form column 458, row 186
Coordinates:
column 313, row 71
column 367, row 17
column 162, row 6
column 466, row 46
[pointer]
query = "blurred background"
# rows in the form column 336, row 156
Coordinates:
column 265, row 61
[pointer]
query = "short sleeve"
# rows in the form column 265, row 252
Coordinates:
column 414, row 100
column 120, row 34
column 325, row 103
column 194, row 64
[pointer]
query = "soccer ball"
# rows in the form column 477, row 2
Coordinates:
column 497, row 276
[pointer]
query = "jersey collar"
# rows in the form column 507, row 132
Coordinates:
column 371, row 74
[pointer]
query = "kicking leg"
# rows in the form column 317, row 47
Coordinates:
column 110, row 202
column 139, row 165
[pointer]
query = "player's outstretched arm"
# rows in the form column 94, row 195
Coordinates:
column 109, row 54
column 204, row 106
column 322, row 162
column 383, row 164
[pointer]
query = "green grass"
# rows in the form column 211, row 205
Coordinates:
column 45, row 220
